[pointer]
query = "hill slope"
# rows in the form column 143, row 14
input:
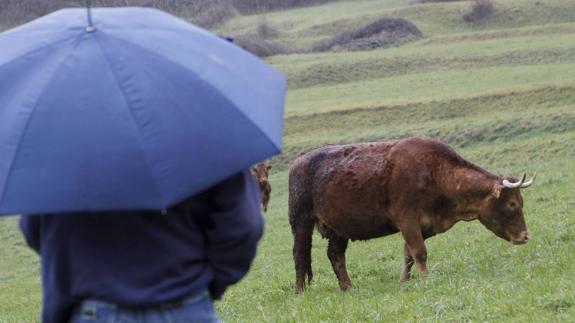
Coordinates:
column 501, row 92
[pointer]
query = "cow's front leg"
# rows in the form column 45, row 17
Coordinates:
column 407, row 264
column 415, row 245
column 266, row 192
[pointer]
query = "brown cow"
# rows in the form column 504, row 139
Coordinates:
column 419, row 187
column 260, row 173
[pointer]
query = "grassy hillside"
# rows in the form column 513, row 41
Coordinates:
column 304, row 26
column 501, row 92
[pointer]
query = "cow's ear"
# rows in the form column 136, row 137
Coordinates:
column 496, row 191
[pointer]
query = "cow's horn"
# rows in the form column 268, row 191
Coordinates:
column 529, row 182
column 508, row 184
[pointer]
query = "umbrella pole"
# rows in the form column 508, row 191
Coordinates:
column 90, row 28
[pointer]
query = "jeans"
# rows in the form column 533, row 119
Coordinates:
column 195, row 309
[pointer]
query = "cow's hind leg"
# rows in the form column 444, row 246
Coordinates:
column 302, row 234
column 336, row 254
column 407, row 264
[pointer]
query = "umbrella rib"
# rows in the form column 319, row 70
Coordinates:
column 34, row 50
column 175, row 62
column 17, row 31
column 133, row 118
column 151, row 52
column 31, row 115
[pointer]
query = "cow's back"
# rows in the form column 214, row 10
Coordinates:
column 345, row 186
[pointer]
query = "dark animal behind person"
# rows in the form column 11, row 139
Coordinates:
column 417, row 186
column 260, row 173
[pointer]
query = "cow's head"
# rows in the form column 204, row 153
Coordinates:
column 502, row 212
column 260, row 172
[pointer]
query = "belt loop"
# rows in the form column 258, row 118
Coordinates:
column 89, row 313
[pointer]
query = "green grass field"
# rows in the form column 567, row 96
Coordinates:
column 502, row 93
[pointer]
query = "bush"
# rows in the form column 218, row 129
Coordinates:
column 480, row 9
column 385, row 32
column 266, row 31
column 260, row 47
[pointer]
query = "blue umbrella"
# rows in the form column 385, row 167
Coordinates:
column 139, row 111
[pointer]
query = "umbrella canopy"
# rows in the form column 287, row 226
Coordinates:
column 139, row 114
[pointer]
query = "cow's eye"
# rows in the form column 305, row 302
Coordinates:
column 512, row 205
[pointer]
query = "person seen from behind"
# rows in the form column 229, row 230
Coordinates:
column 147, row 266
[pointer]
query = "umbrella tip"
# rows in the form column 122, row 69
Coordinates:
column 90, row 28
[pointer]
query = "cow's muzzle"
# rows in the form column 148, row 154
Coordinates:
column 522, row 238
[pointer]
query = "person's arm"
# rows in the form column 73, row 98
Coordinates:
column 233, row 229
column 30, row 226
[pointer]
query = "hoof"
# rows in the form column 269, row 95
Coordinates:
column 345, row 287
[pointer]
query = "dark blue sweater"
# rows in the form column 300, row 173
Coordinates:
column 140, row 259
